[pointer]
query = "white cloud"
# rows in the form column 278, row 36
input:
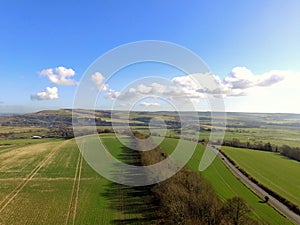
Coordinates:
column 149, row 104
column 60, row 75
column 155, row 89
column 126, row 105
column 240, row 81
column 199, row 86
column 99, row 79
column 243, row 78
column 279, row 97
column 144, row 89
column 112, row 94
column 242, row 90
column 185, row 81
column 47, row 94
column 195, row 87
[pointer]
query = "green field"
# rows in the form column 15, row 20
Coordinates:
column 16, row 132
column 227, row 185
column 271, row 169
column 49, row 183
column 46, row 181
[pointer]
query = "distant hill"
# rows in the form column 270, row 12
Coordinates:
column 63, row 117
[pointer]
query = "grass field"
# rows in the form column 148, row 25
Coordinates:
column 16, row 132
column 271, row 169
column 50, row 183
column 227, row 185
column 8, row 129
column 277, row 136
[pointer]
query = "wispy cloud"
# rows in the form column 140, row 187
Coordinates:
column 47, row 94
column 149, row 104
column 59, row 75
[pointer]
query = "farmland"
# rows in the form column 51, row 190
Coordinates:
column 226, row 185
column 283, row 179
column 46, row 181
column 50, row 183
column 278, row 129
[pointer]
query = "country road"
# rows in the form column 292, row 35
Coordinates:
column 259, row 191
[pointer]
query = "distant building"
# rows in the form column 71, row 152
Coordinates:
column 36, row 137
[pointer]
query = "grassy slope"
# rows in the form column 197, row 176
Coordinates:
column 273, row 170
column 227, row 186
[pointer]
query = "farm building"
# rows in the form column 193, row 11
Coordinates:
column 36, row 137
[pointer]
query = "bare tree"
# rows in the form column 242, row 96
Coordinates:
column 236, row 210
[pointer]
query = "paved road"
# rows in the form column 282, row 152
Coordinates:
column 260, row 192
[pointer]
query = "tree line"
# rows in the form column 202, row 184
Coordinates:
column 187, row 198
column 288, row 151
column 235, row 142
column 291, row 152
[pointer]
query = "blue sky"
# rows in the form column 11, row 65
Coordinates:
column 262, row 36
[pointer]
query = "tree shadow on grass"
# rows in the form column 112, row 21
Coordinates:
column 134, row 205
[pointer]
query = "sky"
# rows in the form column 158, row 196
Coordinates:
column 251, row 47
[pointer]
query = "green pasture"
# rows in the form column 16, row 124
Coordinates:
column 271, row 169
column 227, row 185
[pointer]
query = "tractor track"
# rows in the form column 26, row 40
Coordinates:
column 73, row 190
column 13, row 194
column 77, row 191
column 73, row 204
